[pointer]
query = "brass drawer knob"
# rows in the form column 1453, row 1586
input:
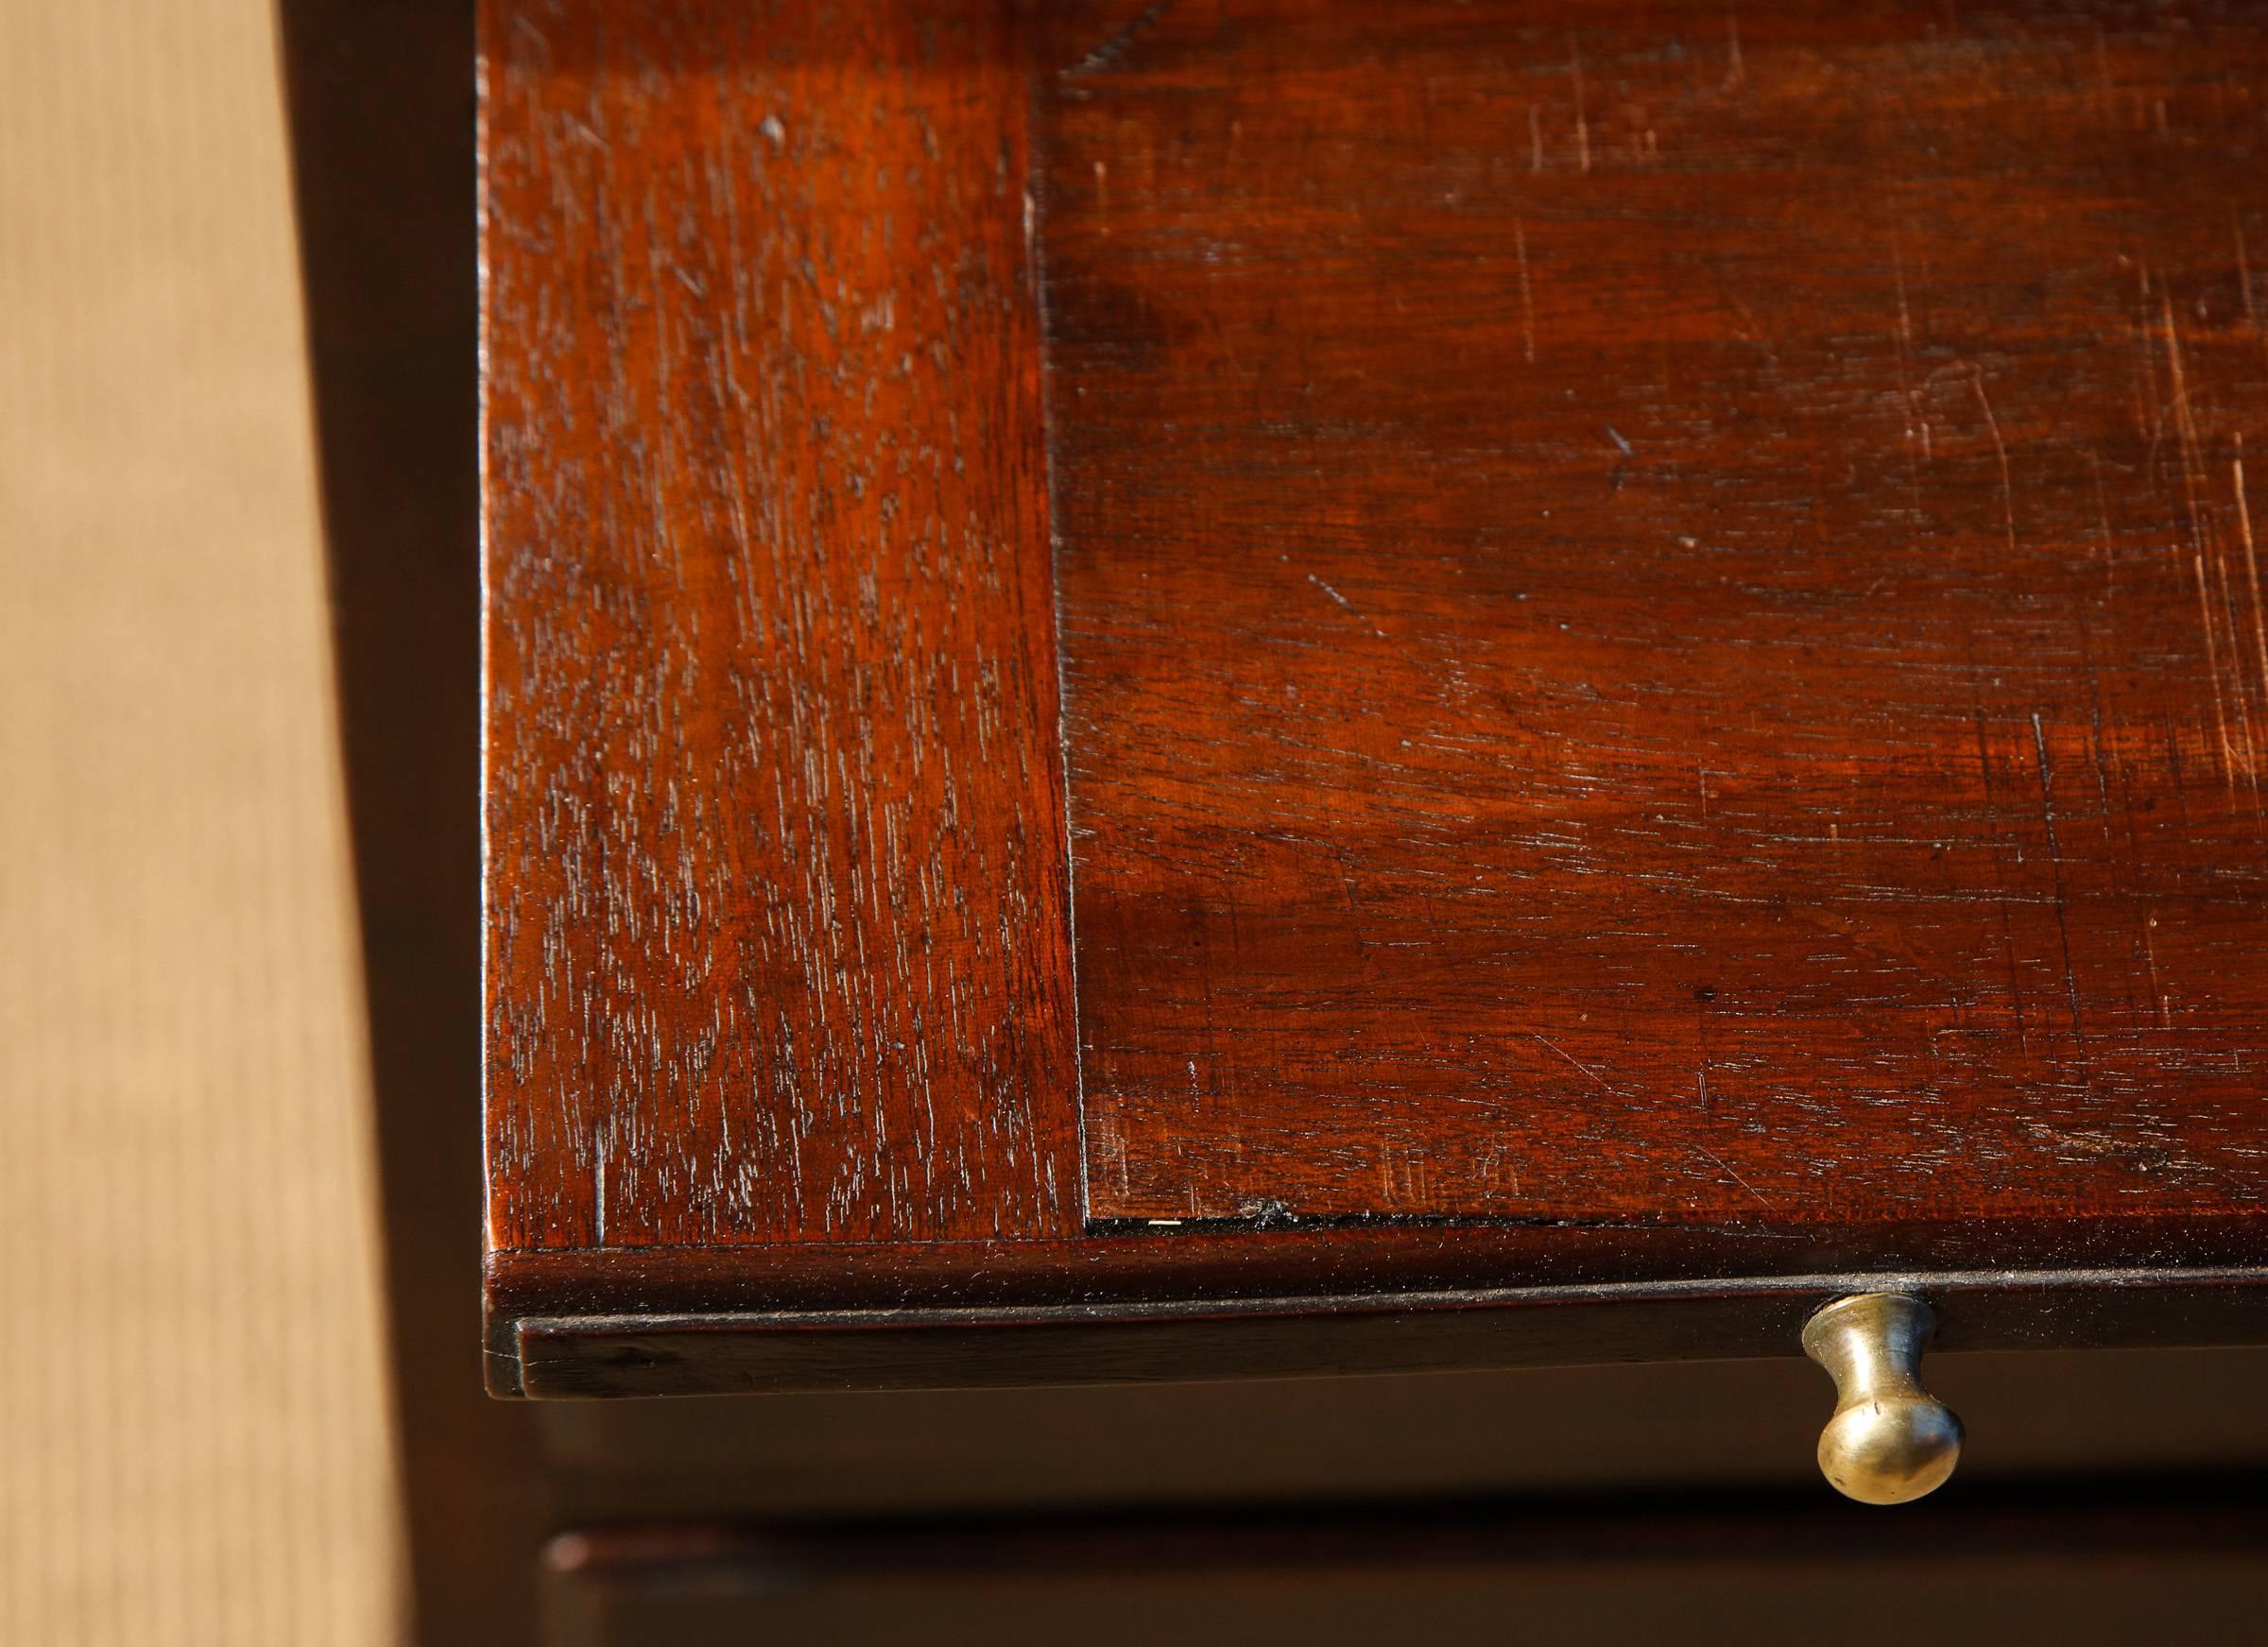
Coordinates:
column 1890, row 1440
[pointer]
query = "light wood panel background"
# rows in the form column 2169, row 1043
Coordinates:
column 194, row 1441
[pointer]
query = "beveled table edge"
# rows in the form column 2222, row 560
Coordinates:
column 992, row 1345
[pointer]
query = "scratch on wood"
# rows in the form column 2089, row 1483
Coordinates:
column 2184, row 423
column 1999, row 450
column 2213, row 668
column 1917, row 416
column 1112, row 49
column 2238, row 688
column 1348, row 605
column 2252, row 569
column 1723, row 1166
column 1572, row 1062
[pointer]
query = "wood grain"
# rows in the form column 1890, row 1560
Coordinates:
column 1659, row 612
column 1661, row 671
column 777, row 919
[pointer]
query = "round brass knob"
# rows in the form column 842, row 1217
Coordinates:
column 1890, row 1440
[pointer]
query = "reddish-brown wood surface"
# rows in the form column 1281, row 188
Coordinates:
column 777, row 919
column 1658, row 614
column 1660, row 654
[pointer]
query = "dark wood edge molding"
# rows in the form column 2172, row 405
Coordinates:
column 2128, row 1517
column 2078, row 1268
column 993, row 1345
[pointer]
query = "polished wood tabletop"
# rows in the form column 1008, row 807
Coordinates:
column 1289, row 685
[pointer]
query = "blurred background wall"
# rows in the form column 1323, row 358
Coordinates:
column 194, row 1441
